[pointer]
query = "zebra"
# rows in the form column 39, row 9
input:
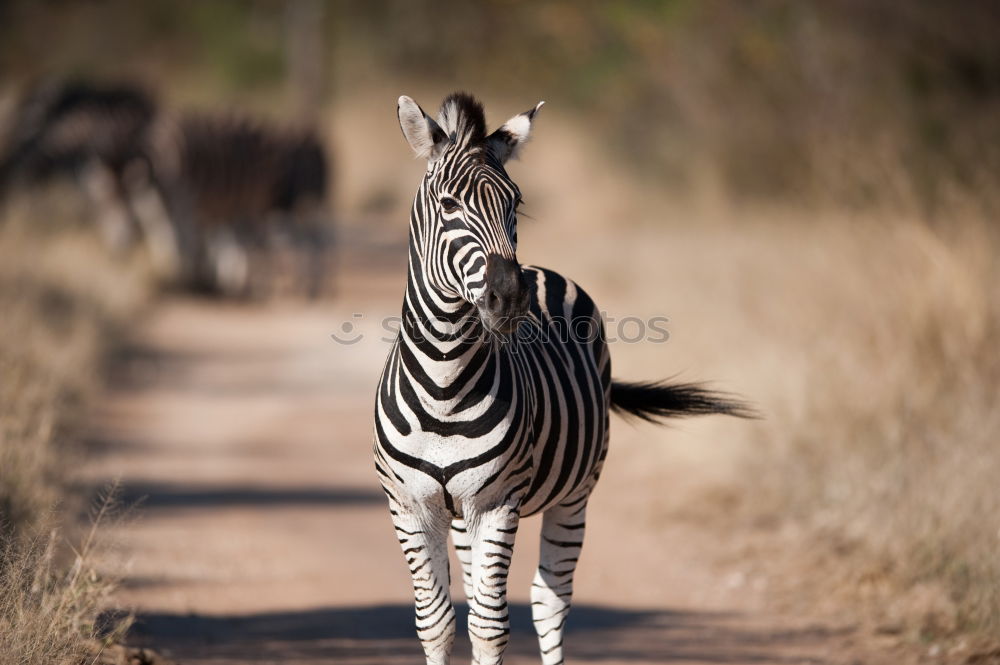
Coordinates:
column 246, row 186
column 489, row 407
column 204, row 191
column 103, row 137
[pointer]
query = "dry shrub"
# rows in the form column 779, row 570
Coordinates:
column 49, row 612
column 891, row 456
column 62, row 299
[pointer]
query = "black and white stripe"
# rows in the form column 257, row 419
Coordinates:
column 494, row 400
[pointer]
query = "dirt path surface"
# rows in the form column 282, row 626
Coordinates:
column 263, row 536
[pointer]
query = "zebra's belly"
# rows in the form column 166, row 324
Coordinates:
column 571, row 439
column 565, row 468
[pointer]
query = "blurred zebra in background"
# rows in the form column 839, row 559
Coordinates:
column 103, row 139
column 216, row 199
column 251, row 190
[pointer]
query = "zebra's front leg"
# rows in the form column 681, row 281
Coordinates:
column 425, row 546
column 552, row 588
column 492, row 535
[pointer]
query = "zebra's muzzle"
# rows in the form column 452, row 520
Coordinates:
column 505, row 301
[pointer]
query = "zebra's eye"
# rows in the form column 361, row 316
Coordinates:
column 450, row 205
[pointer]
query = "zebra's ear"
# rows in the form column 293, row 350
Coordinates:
column 505, row 142
column 423, row 134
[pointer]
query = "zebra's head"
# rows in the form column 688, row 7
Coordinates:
column 464, row 218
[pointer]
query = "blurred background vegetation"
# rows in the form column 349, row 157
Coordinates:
column 851, row 103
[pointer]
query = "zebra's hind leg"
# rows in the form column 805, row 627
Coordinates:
column 552, row 588
column 463, row 550
column 425, row 547
column 492, row 535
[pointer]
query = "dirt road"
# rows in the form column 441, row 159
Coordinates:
column 262, row 534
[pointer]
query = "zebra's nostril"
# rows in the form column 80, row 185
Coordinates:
column 493, row 301
column 506, row 291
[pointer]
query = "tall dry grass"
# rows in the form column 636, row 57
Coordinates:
column 63, row 300
column 891, row 457
column 872, row 346
column 51, row 606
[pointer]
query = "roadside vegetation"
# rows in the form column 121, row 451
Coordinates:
column 882, row 448
column 64, row 301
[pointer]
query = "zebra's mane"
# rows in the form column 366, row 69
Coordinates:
column 462, row 118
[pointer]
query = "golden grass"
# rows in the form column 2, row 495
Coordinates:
column 62, row 300
column 871, row 346
column 891, row 455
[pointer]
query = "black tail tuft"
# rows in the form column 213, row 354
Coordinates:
column 657, row 399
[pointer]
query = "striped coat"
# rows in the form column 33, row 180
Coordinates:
column 494, row 400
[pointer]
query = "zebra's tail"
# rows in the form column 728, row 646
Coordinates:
column 655, row 400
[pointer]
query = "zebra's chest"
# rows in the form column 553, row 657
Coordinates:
column 475, row 439
column 452, row 444
column 453, row 467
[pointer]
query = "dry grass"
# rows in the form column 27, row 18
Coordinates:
column 49, row 612
column 891, row 456
column 62, row 299
column 871, row 346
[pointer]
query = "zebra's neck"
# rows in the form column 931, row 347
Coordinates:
column 442, row 331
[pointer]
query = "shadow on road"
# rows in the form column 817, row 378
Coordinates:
column 211, row 371
column 385, row 634
column 148, row 496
